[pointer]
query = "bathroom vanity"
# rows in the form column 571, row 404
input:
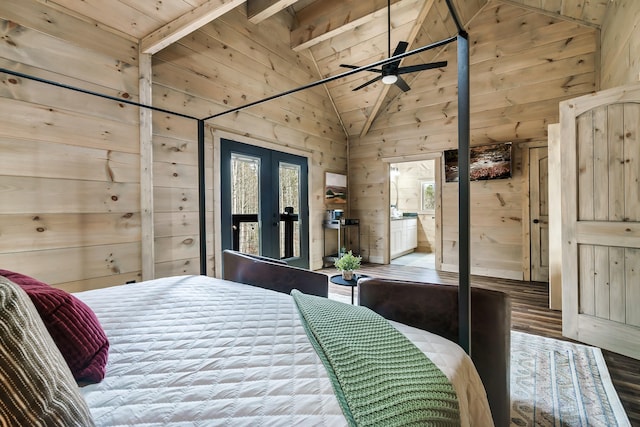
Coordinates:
column 404, row 235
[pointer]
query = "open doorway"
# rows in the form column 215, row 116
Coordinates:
column 413, row 191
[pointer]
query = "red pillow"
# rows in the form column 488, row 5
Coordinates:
column 73, row 326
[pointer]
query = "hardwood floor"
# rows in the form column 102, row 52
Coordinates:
column 530, row 313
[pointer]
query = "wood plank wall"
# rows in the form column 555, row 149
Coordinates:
column 620, row 45
column 227, row 63
column 69, row 168
column 522, row 65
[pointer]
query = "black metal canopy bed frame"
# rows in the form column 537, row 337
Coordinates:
column 182, row 301
column 462, row 38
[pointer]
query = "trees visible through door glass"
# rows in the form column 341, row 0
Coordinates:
column 289, row 206
column 245, row 201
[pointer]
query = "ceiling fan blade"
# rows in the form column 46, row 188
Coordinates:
column 368, row 83
column 391, row 67
column 401, row 48
column 421, row 67
column 402, row 84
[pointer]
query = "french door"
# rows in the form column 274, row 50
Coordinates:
column 264, row 202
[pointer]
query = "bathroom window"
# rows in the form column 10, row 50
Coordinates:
column 428, row 196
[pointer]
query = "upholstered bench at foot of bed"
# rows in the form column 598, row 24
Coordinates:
column 434, row 308
column 272, row 274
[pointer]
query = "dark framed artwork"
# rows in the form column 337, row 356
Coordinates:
column 335, row 188
column 485, row 162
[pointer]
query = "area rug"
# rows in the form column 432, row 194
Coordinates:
column 559, row 383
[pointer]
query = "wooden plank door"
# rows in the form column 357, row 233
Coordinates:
column 600, row 162
column 539, row 213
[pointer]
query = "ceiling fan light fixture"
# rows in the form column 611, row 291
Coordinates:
column 389, row 79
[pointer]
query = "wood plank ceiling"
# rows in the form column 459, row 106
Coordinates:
column 333, row 32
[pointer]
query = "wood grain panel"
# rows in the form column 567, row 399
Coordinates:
column 100, row 282
column 176, row 248
column 600, row 165
column 615, row 142
column 632, row 161
column 175, row 199
column 617, row 292
column 620, row 47
column 75, row 264
column 41, row 93
column 584, row 145
column 35, row 49
column 37, row 15
column 632, row 282
column 40, row 195
column 587, row 280
column 34, row 121
column 51, row 160
column 177, row 268
column 601, row 281
column 24, row 233
column 168, row 224
column 117, row 15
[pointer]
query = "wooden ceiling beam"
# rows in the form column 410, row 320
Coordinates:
column 385, row 88
column 259, row 10
column 325, row 19
column 186, row 24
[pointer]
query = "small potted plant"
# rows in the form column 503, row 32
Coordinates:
column 347, row 263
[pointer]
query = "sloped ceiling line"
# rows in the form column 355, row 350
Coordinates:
column 333, row 104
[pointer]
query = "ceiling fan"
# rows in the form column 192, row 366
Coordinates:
column 390, row 73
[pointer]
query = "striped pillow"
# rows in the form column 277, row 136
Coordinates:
column 36, row 385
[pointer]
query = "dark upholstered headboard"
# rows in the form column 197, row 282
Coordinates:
column 272, row 274
column 434, row 308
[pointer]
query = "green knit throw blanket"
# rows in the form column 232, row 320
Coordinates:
column 379, row 376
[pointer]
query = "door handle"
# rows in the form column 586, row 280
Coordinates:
column 535, row 221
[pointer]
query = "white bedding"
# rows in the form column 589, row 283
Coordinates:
column 193, row 350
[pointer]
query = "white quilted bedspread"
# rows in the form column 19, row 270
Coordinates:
column 193, row 350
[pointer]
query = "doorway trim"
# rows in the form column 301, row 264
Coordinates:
column 217, row 135
column 437, row 157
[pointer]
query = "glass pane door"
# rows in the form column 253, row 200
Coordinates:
column 245, row 203
column 289, row 207
column 264, row 202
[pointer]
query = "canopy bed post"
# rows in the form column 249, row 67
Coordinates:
column 202, row 201
column 464, row 252
column 464, row 136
